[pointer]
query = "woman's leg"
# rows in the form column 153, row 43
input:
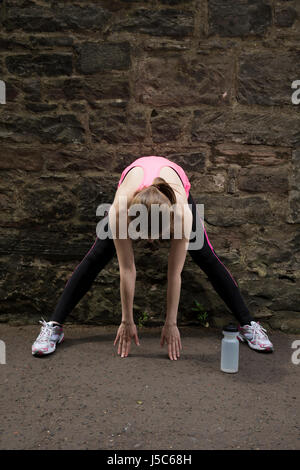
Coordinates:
column 219, row 276
column 101, row 252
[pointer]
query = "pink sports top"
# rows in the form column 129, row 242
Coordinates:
column 151, row 166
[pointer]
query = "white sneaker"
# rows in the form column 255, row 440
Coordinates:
column 50, row 335
column 256, row 337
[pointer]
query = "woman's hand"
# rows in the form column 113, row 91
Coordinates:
column 126, row 331
column 171, row 335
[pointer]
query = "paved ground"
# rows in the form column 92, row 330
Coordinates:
column 85, row 396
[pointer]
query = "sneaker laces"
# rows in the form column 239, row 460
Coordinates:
column 45, row 333
column 258, row 332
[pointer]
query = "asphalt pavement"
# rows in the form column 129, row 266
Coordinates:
column 84, row 396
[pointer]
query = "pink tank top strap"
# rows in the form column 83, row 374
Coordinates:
column 151, row 166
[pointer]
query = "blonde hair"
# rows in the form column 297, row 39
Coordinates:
column 161, row 193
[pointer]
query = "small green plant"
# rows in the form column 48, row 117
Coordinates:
column 202, row 313
column 142, row 319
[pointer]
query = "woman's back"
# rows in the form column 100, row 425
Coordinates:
column 142, row 171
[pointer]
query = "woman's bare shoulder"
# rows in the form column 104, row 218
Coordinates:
column 172, row 178
column 133, row 178
column 126, row 189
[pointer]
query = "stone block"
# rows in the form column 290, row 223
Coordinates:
column 285, row 16
column 293, row 215
column 236, row 125
column 265, row 78
column 221, row 210
column 166, row 126
column 264, row 179
column 162, row 22
column 21, row 158
column 239, row 18
column 111, row 123
column 57, row 17
column 244, row 155
column 90, row 89
column 100, row 57
column 50, row 65
column 176, row 81
column 64, row 128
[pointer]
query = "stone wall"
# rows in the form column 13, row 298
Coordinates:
column 93, row 85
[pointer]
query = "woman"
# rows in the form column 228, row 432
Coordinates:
column 151, row 180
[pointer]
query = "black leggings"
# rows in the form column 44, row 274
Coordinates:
column 102, row 251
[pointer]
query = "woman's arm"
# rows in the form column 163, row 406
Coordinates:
column 177, row 256
column 125, row 254
column 127, row 277
column 176, row 260
column 127, row 269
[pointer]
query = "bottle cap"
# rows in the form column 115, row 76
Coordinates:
column 231, row 327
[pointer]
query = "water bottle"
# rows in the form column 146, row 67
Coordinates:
column 230, row 349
